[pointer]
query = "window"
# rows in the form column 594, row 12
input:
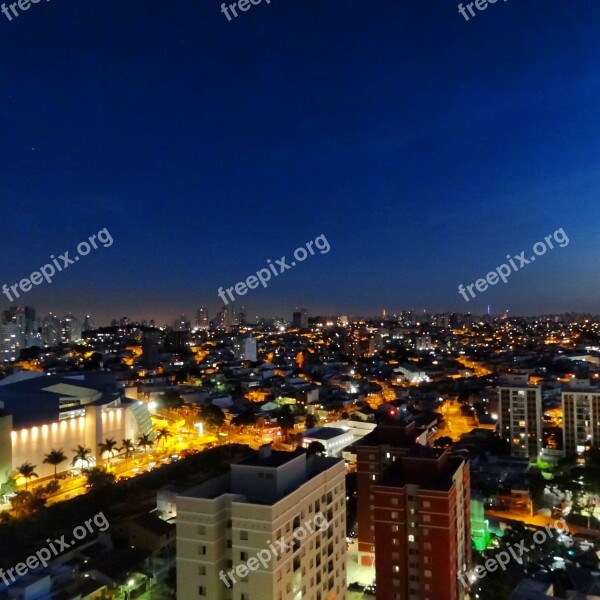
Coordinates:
column 243, row 556
column 426, row 518
column 411, row 538
column 394, row 514
column 394, row 501
column 202, row 550
column 201, row 570
column 202, row 591
column 428, row 573
column 426, row 504
column 243, row 535
column 395, row 528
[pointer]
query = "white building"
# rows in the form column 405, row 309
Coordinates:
column 226, row 524
column 520, row 415
column 581, row 416
column 12, row 341
column 244, row 348
column 334, row 439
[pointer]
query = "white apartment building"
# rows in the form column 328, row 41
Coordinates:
column 520, row 415
column 226, row 522
column 581, row 416
column 244, row 348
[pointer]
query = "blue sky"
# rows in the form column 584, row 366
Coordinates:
column 424, row 147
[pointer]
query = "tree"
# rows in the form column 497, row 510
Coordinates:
column 171, row 399
column 97, row 478
column 212, row 415
column 285, row 420
column 443, row 441
column 55, row 458
column 27, row 470
column 128, row 447
column 108, row 447
column 316, row 448
column 82, row 454
column 8, row 487
column 145, row 441
column 244, row 419
column 311, row 421
column 163, row 434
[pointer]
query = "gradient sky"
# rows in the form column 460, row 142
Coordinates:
column 424, row 147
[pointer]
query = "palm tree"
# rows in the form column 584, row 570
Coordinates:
column 163, row 434
column 145, row 441
column 55, row 458
column 108, row 446
column 82, row 454
column 27, row 470
column 129, row 447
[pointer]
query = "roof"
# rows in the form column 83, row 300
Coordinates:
column 154, row 524
column 274, row 460
column 324, row 433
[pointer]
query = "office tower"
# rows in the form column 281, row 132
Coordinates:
column 70, row 329
column 224, row 319
column 12, row 340
column 520, row 415
column 581, row 416
column 202, row 318
column 181, row 324
column 242, row 316
column 300, row 318
column 374, row 453
column 227, row 523
column 422, row 526
column 51, row 331
column 87, row 324
column 244, row 348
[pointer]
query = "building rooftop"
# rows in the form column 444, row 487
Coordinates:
column 324, row 433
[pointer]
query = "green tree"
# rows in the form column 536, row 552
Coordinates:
column 108, row 446
column 82, row 454
column 27, row 470
column 285, row 420
column 145, row 442
column 244, row 419
column 316, row 448
column 8, row 487
column 163, row 434
column 311, row 421
column 55, row 458
column 128, row 447
column 98, row 478
column 212, row 415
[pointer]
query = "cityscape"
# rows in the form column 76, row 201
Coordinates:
column 299, row 300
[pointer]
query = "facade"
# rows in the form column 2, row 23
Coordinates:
column 45, row 412
column 581, row 416
column 520, row 415
column 374, row 453
column 202, row 318
column 12, row 340
column 422, row 526
column 224, row 524
column 334, row 439
column 244, row 348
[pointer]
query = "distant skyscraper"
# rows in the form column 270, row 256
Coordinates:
column 202, row 318
column 242, row 316
column 87, row 324
column 70, row 329
column 181, row 324
column 224, row 318
column 520, row 415
column 300, row 318
column 51, row 331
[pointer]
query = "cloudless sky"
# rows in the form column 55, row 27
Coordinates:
column 424, row 147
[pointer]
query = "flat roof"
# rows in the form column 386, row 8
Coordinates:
column 325, row 433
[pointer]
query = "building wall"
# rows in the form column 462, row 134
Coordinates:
column 31, row 444
column 422, row 540
column 520, row 419
column 6, row 462
column 224, row 532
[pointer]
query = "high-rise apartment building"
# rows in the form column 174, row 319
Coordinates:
column 202, row 318
column 244, row 348
column 226, row 524
column 374, row 453
column 300, row 318
column 422, row 526
column 581, row 416
column 520, row 415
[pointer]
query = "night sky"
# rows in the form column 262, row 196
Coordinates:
column 424, row 147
